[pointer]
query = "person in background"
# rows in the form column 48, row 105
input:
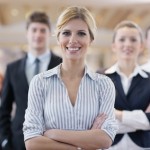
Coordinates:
column 66, row 105
column 146, row 66
column 18, row 76
column 1, row 84
column 132, row 89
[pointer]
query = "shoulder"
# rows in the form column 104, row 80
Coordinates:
column 103, row 80
column 47, row 74
column 16, row 65
column 16, row 62
column 56, row 57
column 42, row 80
column 148, row 74
column 105, row 85
column 102, row 77
column 146, row 66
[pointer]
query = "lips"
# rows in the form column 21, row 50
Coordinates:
column 127, row 51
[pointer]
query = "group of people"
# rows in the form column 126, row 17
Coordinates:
column 68, row 107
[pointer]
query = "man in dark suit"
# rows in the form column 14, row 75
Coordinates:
column 18, row 76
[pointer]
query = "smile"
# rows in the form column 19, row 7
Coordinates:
column 73, row 49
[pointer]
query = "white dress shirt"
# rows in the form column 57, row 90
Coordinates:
column 131, row 120
column 30, row 64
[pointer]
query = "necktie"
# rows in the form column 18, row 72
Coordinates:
column 37, row 66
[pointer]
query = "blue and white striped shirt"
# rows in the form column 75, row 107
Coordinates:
column 49, row 106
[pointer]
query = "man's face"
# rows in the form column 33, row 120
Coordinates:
column 38, row 35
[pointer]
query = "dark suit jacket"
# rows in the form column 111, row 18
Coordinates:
column 15, row 89
column 138, row 97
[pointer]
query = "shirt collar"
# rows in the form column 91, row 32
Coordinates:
column 56, row 71
column 41, row 57
column 136, row 71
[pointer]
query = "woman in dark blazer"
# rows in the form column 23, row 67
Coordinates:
column 132, row 89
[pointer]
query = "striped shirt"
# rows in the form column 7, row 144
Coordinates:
column 49, row 106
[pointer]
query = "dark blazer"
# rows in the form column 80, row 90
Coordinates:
column 138, row 97
column 15, row 89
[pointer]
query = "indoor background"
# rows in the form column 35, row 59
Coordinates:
column 107, row 13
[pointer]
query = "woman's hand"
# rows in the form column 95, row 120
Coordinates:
column 99, row 121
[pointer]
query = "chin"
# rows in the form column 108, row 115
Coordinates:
column 39, row 48
column 73, row 58
column 128, row 58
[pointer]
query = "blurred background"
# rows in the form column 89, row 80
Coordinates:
column 107, row 13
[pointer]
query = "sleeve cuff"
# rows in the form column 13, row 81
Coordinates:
column 135, row 119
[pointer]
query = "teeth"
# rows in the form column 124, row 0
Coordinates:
column 73, row 49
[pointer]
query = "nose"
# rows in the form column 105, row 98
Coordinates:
column 73, row 39
column 38, row 33
column 128, row 43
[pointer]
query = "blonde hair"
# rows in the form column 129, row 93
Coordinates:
column 76, row 12
column 129, row 24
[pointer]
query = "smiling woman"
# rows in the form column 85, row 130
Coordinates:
column 70, row 107
column 74, row 40
column 132, row 88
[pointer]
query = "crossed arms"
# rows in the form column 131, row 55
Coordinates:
column 72, row 140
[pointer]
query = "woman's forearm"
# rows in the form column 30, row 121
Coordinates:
column 124, row 128
column 43, row 143
column 136, row 119
column 88, row 140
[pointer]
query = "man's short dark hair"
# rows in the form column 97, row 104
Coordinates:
column 38, row 17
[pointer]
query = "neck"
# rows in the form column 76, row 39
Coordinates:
column 127, row 67
column 37, row 52
column 72, row 70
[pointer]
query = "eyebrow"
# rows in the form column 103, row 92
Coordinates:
column 70, row 30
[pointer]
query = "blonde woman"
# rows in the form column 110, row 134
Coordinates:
column 132, row 89
column 68, row 105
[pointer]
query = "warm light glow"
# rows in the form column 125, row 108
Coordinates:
column 14, row 12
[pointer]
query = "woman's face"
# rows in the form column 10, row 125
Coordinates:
column 74, row 39
column 127, row 44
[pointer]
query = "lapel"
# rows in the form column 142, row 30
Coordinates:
column 54, row 61
column 119, row 87
column 51, row 62
column 135, row 81
column 22, row 73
